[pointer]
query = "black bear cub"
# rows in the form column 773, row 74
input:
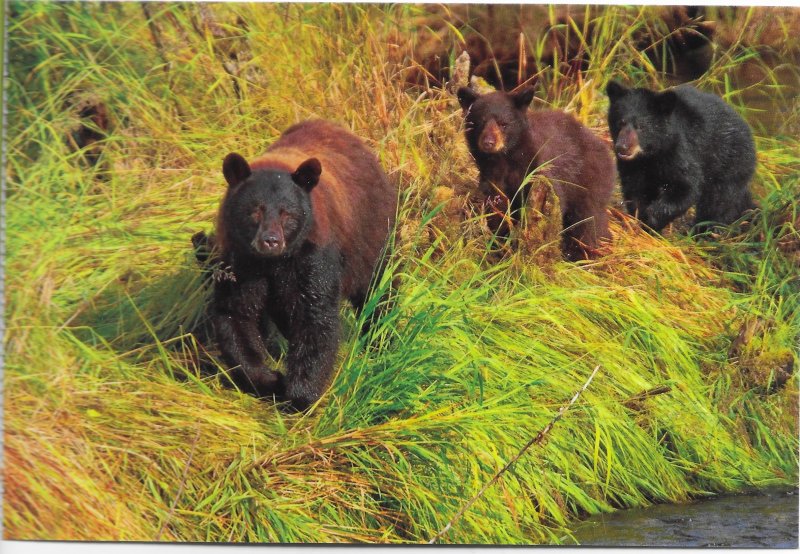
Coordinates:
column 508, row 142
column 299, row 228
column 680, row 148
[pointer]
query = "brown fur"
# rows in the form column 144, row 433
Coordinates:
column 579, row 165
column 349, row 204
column 300, row 227
column 556, row 147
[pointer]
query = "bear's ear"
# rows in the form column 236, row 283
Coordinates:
column 615, row 89
column 466, row 96
column 235, row 169
column 307, row 174
column 522, row 98
column 666, row 101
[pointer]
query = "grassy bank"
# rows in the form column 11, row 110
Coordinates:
column 113, row 431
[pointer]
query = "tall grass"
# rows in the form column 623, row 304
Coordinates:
column 114, row 430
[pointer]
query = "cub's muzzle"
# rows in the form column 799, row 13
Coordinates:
column 627, row 145
column 491, row 140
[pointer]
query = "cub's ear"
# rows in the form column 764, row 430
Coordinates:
column 466, row 96
column 666, row 101
column 235, row 169
column 522, row 98
column 615, row 89
column 307, row 174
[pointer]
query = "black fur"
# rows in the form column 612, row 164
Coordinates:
column 297, row 289
column 300, row 228
column 680, row 148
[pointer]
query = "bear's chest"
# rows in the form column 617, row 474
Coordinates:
column 646, row 178
column 283, row 282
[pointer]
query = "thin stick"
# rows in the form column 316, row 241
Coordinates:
column 535, row 440
column 180, row 488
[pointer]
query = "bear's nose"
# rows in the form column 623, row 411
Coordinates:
column 271, row 241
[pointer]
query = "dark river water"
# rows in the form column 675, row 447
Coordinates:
column 767, row 519
column 756, row 520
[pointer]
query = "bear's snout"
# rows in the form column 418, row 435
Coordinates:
column 627, row 145
column 270, row 242
column 491, row 140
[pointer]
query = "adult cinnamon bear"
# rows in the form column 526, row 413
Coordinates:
column 299, row 228
column 509, row 142
column 680, row 148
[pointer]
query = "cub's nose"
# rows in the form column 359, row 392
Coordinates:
column 491, row 139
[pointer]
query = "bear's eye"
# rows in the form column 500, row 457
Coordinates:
column 257, row 214
column 623, row 122
column 285, row 216
column 288, row 221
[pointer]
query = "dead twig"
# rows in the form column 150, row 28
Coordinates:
column 535, row 440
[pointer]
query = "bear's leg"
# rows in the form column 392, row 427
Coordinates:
column 359, row 300
column 243, row 350
column 578, row 235
column 312, row 354
column 269, row 332
column 313, row 330
column 723, row 211
column 601, row 221
column 672, row 201
column 633, row 205
column 583, row 226
column 204, row 246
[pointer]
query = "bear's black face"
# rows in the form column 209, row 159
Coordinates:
column 495, row 123
column 268, row 212
column 640, row 121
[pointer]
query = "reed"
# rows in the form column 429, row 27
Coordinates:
column 115, row 430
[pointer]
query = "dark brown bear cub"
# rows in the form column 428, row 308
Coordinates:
column 300, row 227
column 509, row 142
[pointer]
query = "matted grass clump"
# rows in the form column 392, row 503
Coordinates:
column 113, row 431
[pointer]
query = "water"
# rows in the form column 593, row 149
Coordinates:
column 767, row 519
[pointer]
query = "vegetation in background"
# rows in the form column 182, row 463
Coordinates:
column 114, row 428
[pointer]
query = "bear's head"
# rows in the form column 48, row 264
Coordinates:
column 496, row 122
column 267, row 212
column 640, row 120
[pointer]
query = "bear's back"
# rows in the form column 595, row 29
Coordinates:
column 716, row 116
column 576, row 155
column 718, row 134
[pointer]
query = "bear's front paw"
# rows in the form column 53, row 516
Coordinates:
column 296, row 405
column 496, row 210
column 301, row 394
column 260, row 382
column 648, row 221
column 203, row 245
column 199, row 240
column 271, row 384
